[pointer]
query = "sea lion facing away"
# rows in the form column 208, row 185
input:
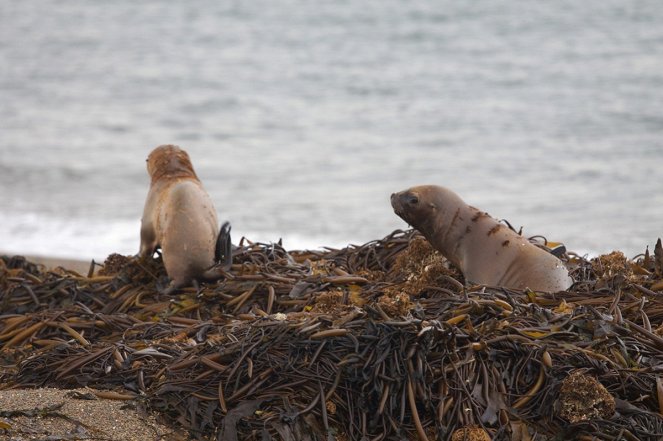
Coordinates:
column 486, row 251
column 179, row 217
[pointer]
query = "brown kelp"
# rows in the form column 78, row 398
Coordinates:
column 374, row 342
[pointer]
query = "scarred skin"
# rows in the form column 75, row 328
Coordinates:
column 179, row 217
column 486, row 251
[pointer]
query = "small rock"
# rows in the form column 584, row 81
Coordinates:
column 583, row 398
column 470, row 433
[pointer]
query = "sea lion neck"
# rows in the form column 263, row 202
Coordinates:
column 437, row 213
column 447, row 225
column 172, row 174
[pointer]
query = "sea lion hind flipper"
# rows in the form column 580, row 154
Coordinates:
column 215, row 273
column 223, row 250
column 165, row 285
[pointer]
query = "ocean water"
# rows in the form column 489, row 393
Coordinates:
column 301, row 118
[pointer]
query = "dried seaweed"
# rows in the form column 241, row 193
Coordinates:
column 374, row 342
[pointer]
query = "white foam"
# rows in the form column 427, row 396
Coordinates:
column 78, row 238
column 36, row 234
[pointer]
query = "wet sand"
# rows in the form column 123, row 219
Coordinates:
column 47, row 413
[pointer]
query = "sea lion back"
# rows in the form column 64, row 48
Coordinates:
column 179, row 217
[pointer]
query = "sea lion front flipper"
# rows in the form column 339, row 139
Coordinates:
column 223, row 250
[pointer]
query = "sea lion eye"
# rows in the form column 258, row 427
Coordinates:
column 413, row 199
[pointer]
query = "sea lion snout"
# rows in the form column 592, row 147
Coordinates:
column 394, row 200
column 396, row 204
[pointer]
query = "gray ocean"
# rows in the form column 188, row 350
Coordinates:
column 302, row 117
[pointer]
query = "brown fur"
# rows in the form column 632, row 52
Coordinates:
column 488, row 253
column 179, row 217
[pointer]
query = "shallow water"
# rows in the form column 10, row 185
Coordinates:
column 302, row 118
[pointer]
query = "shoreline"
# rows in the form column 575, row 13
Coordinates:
column 80, row 266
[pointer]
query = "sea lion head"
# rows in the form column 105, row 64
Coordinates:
column 169, row 161
column 420, row 206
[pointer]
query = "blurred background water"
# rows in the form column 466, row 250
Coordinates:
column 301, row 118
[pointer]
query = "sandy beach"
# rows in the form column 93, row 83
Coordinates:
column 76, row 414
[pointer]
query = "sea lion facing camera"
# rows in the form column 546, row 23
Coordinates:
column 486, row 251
column 179, row 217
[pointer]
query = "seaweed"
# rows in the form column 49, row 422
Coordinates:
column 381, row 341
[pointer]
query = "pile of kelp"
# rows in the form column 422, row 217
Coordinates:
column 382, row 341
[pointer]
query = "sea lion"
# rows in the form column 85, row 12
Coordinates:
column 180, row 218
column 486, row 251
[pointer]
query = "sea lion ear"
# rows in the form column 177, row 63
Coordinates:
column 432, row 205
